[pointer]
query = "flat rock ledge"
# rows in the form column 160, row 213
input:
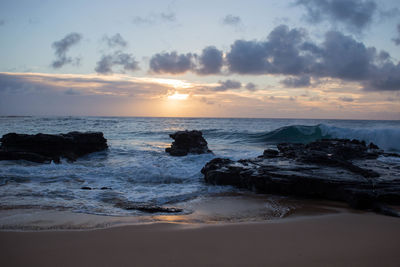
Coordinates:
column 44, row 148
column 187, row 142
column 332, row 169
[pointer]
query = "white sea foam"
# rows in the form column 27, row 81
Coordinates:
column 136, row 167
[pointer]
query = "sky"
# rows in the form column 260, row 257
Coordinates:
column 328, row 59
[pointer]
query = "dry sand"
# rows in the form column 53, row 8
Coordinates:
column 342, row 239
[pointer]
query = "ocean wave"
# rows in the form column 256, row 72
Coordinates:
column 385, row 138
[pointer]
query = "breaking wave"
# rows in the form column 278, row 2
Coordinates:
column 385, row 138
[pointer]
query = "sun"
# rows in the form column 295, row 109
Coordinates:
column 178, row 96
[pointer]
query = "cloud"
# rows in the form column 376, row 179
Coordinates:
column 231, row 20
column 77, row 94
column 227, row 85
column 71, row 92
column 170, row 16
column 61, row 48
column 384, row 78
column 118, row 58
column 115, row 41
column 2, row 22
column 80, row 84
column 251, row 87
column 296, row 82
column 152, row 19
column 117, row 95
column 279, row 54
column 356, row 15
column 172, row 63
column 346, row 99
column 211, row 61
column 397, row 39
column 289, row 52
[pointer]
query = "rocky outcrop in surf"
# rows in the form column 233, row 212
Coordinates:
column 333, row 169
column 44, row 148
column 186, row 142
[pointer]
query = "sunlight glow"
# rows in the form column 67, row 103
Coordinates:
column 178, row 96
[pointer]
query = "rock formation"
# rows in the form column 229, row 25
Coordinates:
column 333, row 169
column 44, row 148
column 186, row 142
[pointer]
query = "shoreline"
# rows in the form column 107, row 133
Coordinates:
column 212, row 210
column 342, row 239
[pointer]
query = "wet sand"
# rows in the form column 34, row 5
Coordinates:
column 341, row 239
column 220, row 208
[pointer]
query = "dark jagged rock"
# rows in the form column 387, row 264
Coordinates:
column 326, row 169
column 44, row 148
column 186, row 142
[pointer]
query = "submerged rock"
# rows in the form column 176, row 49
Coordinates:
column 43, row 148
column 148, row 208
column 186, row 142
column 121, row 202
column 86, row 188
column 333, row 169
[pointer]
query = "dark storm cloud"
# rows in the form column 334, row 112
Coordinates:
column 172, row 63
column 211, row 61
column 227, row 85
column 152, row 19
column 356, row 15
column 231, row 20
column 61, row 48
column 115, row 41
column 107, row 62
column 397, row 39
column 296, row 82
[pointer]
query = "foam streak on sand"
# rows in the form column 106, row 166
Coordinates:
column 331, row 240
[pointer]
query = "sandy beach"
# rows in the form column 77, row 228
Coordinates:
column 342, row 239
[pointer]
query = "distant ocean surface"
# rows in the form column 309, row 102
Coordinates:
column 137, row 168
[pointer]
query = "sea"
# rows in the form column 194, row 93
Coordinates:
column 137, row 168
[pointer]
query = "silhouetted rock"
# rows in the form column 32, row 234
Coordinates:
column 270, row 153
column 326, row 169
column 187, row 142
column 34, row 157
column 46, row 147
